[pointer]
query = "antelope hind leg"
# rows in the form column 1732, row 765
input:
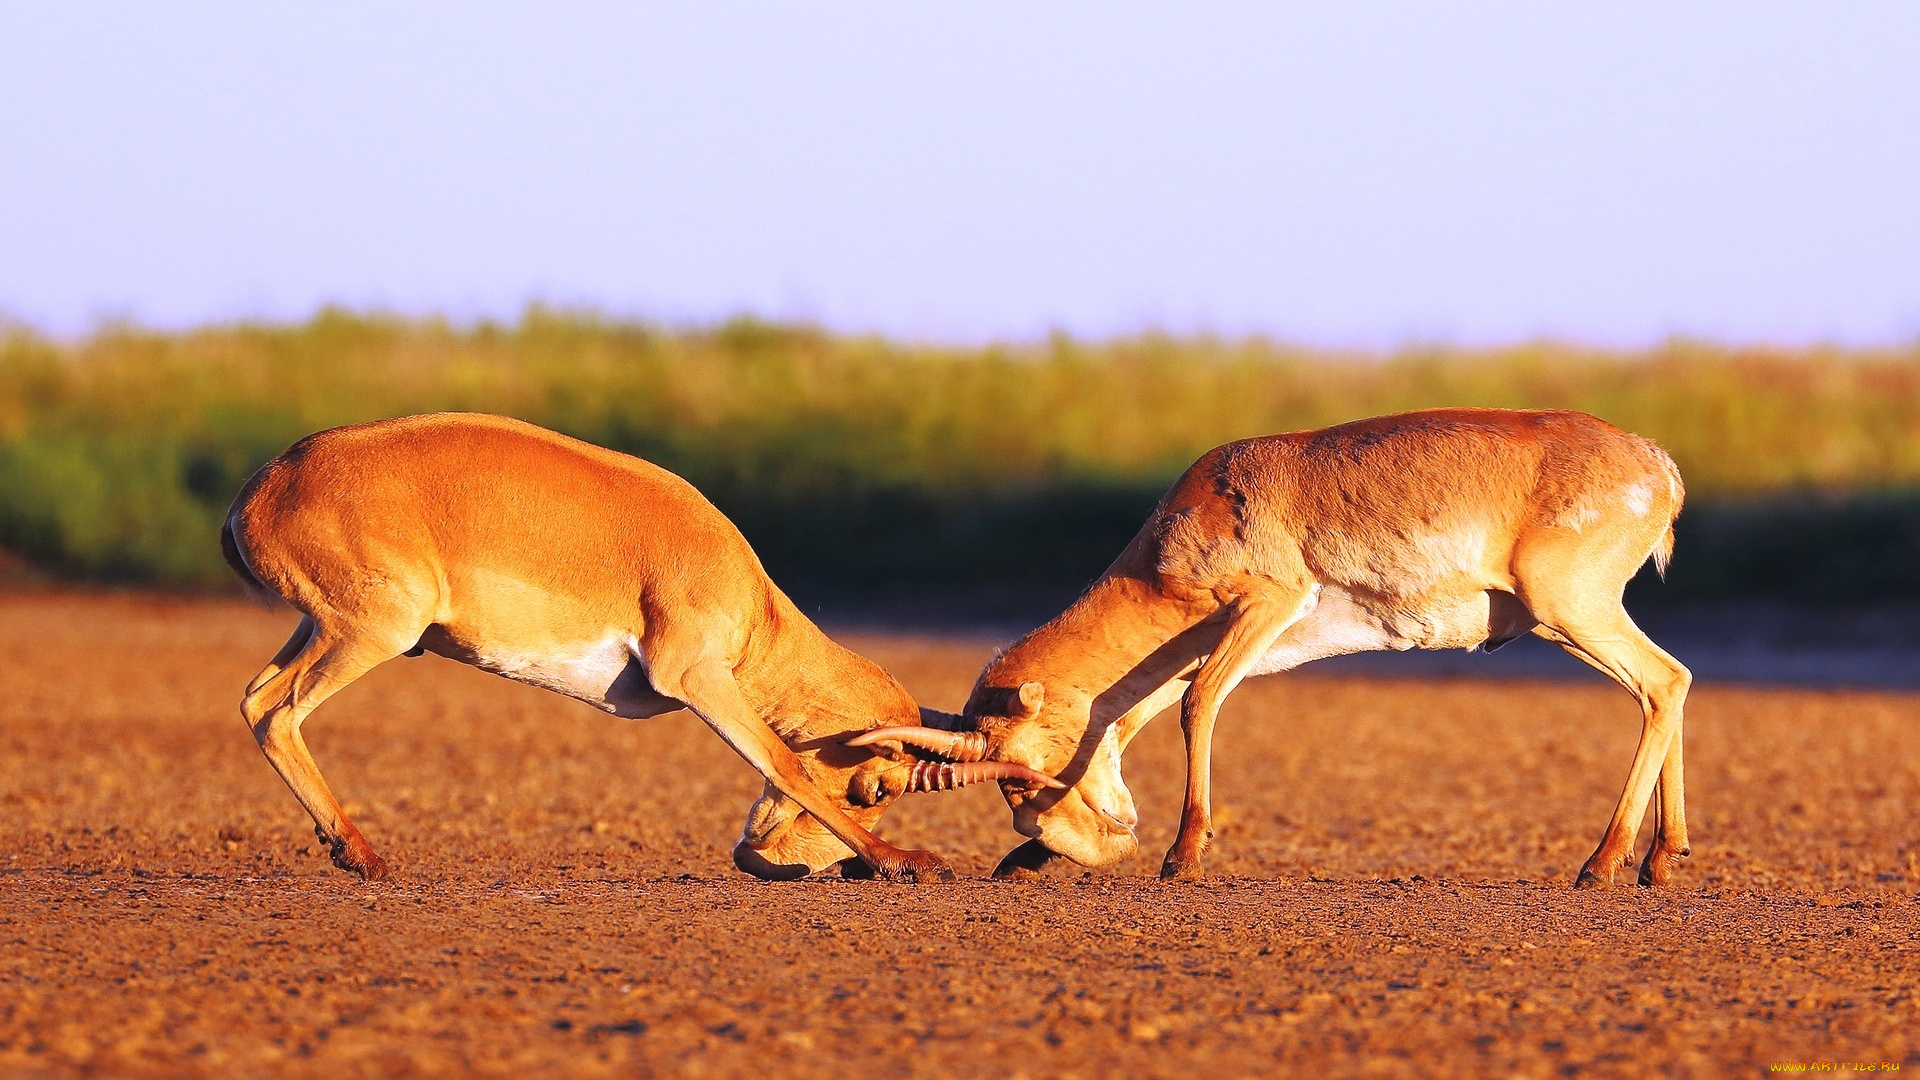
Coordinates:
column 1617, row 647
column 1669, row 844
column 280, row 703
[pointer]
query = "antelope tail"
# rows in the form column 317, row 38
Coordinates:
column 1663, row 549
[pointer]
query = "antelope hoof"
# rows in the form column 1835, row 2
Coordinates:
column 364, row 862
column 375, row 869
column 1175, row 869
column 855, row 870
column 1183, row 858
column 1024, row 862
column 354, row 855
column 1597, row 873
column 915, row 866
column 1657, row 868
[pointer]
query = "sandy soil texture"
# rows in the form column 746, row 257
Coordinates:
column 1391, row 893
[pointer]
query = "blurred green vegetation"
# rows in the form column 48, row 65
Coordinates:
column 862, row 462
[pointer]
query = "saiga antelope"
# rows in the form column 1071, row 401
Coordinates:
column 561, row 564
column 1450, row 528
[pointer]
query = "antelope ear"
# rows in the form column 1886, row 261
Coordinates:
column 942, row 721
column 1032, row 696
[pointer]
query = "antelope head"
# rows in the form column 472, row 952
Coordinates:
column 866, row 773
column 939, row 755
column 1091, row 822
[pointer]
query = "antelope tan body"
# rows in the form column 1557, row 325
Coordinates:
column 1454, row 528
column 561, row 564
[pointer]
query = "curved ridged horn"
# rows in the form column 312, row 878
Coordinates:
column 941, row 776
column 952, row 745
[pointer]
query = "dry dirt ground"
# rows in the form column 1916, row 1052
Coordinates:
column 1391, row 892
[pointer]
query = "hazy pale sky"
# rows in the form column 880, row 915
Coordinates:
column 1347, row 174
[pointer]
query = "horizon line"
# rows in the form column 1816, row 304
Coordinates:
column 1366, row 346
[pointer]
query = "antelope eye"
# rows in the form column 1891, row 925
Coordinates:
column 868, row 788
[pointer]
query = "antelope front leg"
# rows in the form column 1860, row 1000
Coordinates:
column 1252, row 632
column 709, row 688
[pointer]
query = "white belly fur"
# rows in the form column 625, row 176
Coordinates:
column 608, row 674
column 1340, row 623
